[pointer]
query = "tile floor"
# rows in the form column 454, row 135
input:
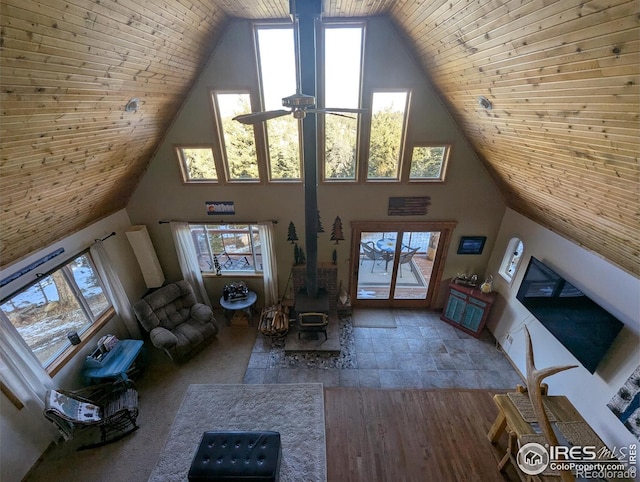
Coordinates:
column 421, row 352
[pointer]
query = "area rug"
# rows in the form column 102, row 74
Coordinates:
column 295, row 410
column 372, row 318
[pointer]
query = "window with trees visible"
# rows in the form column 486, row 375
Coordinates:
column 277, row 74
column 227, row 248
column 386, row 138
column 343, row 46
column 428, row 163
column 237, row 141
column 511, row 259
column 197, row 164
column 71, row 298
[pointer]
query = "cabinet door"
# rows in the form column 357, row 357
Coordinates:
column 455, row 308
column 472, row 317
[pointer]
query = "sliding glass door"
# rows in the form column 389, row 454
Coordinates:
column 396, row 265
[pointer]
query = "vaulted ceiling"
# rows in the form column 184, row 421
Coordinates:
column 561, row 141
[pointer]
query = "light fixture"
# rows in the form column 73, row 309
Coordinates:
column 484, row 102
column 132, row 106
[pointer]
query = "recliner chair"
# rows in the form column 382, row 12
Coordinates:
column 176, row 322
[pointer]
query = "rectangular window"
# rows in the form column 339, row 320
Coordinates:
column 227, row 248
column 237, row 141
column 342, row 80
column 428, row 163
column 277, row 72
column 197, row 165
column 71, row 298
column 388, row 120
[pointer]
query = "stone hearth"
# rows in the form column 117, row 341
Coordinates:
column 273, row 352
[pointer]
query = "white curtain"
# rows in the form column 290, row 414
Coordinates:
column 115, row 291
column 188, row 259
column 21, row 372
column 269, row 265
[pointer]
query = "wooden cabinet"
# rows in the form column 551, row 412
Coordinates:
column 467, row 308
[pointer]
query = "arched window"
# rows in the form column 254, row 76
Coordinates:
column 511, row 259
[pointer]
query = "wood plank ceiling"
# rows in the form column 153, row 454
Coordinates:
column 561, row 141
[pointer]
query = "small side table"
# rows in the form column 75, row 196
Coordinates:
column 115, row 363
column 246, row 305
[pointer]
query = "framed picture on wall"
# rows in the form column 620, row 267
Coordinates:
column 471, row 244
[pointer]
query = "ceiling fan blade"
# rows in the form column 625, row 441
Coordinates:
column 340, row 115
column 341, row 109
column 257, row 117
column 337, row 111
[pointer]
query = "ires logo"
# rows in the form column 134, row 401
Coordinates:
column 583, row 461
column 560, row 452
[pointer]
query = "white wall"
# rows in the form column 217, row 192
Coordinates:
column 22, row 438
column 609, row 286
column 468, row 196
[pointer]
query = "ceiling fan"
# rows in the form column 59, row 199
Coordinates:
column 299, row 104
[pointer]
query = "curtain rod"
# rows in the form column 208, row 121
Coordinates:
column 41, row 261
column 222, row 221
column 106, row 237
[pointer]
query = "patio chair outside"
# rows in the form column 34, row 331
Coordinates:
column 370, row 251
column 406, row 258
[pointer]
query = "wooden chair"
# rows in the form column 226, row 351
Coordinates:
column 111, row 408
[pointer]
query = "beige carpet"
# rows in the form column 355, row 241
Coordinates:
column 295, row 410
column 162, row 387
column 373, row 318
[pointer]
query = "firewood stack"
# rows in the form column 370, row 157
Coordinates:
column 274, row 321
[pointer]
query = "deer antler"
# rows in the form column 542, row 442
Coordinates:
column 534, row 380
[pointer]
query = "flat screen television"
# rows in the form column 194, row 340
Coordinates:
column 585, row 328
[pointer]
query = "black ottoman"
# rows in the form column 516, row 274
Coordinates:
column 245, row 456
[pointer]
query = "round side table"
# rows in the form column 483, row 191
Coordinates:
column 246, row 305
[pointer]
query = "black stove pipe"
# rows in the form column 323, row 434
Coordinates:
column 308, row 13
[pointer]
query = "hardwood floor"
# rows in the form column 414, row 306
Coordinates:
column 410, row 435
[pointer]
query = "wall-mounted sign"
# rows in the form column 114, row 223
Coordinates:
column 215, row 208
column 408, row 206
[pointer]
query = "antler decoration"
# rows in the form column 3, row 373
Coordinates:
column 534, row 381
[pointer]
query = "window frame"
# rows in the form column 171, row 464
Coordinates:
column 443, row 170
column 366, row 145
column 184, row 168
column 96, row 322
column 321, row 99
column 509, row 257
column 264, row 134
column 221, row 148
column 229, row 273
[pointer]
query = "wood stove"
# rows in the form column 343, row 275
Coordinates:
column 312, row 312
